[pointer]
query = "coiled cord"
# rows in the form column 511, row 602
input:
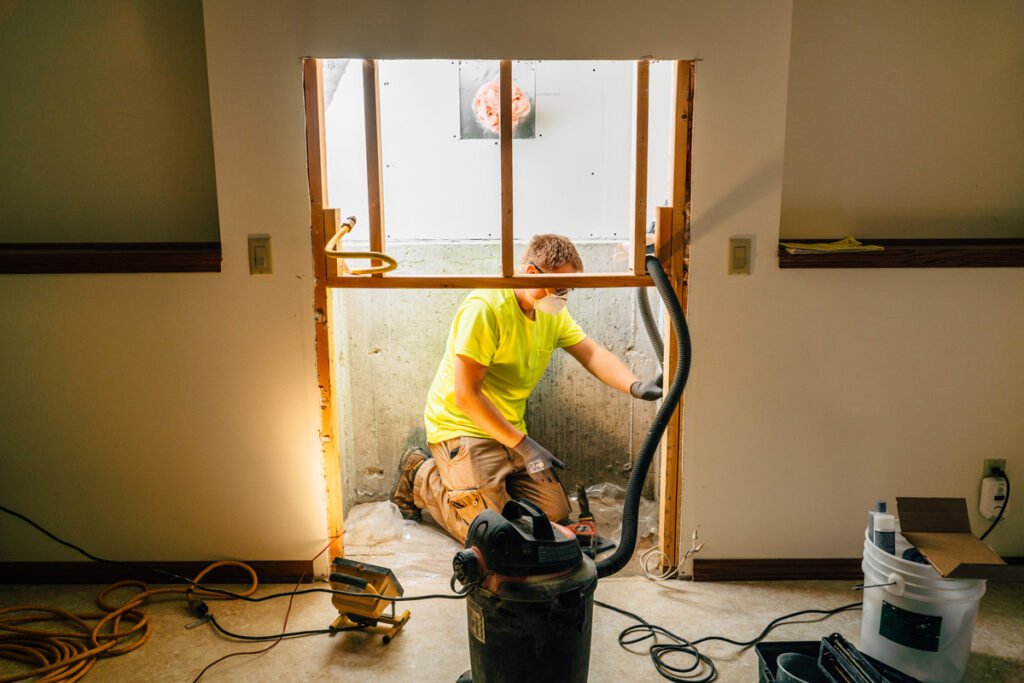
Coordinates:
column 697, row 667
column 68, row 653
column 65, row 656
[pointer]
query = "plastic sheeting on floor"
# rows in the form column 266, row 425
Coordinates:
column 376, row 533
column 606, row 506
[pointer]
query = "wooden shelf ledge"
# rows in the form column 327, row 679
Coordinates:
column 110, row 257
column 914, row 253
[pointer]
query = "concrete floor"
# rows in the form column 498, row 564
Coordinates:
column 433, row 646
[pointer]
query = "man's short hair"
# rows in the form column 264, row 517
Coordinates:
column 550, row 252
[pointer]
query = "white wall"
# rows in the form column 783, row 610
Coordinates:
column 905, row 119
column 105, row 123
column 813, row 392
column 573, row 178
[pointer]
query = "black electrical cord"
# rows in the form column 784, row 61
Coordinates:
column 1006, row 501
column 457, row 595
column 280, row 636
column 701, row 665
column 702, row 669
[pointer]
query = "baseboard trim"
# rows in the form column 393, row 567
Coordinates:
column 268, row 571
column 842, row 568
column 777, row 569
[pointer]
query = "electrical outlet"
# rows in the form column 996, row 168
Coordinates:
column 993, row 464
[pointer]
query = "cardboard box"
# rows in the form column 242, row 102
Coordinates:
column 941, row 530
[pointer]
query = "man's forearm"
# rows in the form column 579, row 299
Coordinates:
column 485, row 415
column 606, row 366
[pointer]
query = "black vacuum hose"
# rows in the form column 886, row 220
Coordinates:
column 631, row 505
column 644, row 304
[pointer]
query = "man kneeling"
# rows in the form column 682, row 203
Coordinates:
column 499, row 346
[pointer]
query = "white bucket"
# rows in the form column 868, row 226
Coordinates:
column 921, row 625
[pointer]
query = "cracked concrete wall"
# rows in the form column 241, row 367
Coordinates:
column 389, row 343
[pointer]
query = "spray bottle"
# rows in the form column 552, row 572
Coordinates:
column 885, row 532
column 879, row 507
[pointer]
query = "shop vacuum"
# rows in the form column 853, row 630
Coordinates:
column 531, row 597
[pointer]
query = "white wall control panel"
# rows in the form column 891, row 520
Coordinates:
column 740, row 255
column 259, row 255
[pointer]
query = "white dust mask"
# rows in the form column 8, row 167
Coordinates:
column 552, row 304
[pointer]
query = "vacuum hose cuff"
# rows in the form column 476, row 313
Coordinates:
column 631, row 506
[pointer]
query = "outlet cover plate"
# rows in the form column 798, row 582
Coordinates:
column 991, row 464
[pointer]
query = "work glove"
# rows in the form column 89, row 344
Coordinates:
column 648, row 391
column 538, row 460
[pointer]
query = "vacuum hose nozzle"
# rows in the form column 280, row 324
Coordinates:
column 631, row 506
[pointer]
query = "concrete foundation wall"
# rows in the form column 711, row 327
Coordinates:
column 389, row 344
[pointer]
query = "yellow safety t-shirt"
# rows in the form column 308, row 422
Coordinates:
column 490, row 328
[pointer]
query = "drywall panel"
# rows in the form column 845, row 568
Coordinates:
column 905, row 119
column 105, row 126
column 869, row 385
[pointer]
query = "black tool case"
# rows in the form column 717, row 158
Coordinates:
column 769, row 652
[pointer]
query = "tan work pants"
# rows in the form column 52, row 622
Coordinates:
column 468, row 475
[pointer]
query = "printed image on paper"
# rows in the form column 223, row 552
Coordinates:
column 480, row 103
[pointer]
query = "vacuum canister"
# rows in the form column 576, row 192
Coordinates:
column 530, row 610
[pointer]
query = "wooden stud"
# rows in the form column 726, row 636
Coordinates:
column 505, row 134
column 673, row 250
column 638, row 193
column 374, row 165
column 312, row 71
column 571, row 280
column 332, row 221
column 669, row 500
column 679, row 179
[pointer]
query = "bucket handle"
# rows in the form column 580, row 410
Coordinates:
column 896, row 585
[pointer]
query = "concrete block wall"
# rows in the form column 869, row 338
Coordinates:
column 389, row 344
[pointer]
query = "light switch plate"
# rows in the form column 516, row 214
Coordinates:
column 741, row 254
column 259, row 255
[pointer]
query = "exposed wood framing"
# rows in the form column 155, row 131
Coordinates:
column 638, row 194
column 671, row 244
column 312, row 72
column 374, row 165
column 505, row 133
column 672, row 247
column 554, row 281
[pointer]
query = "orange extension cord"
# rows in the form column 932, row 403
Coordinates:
column 64, row 656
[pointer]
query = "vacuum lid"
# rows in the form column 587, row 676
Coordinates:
column 522, row 542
